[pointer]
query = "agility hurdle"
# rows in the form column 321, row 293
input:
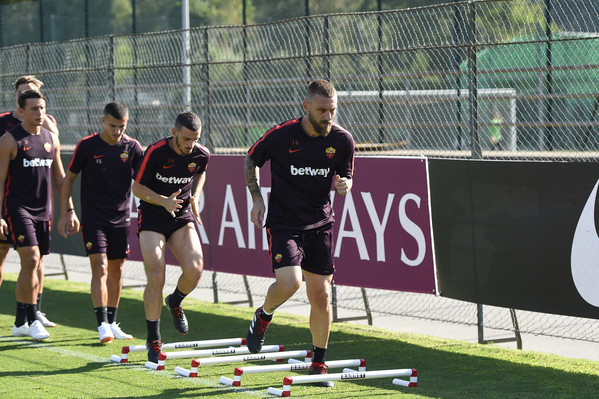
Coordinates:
column 277, row 356
column 305, row 379
column 292, row 366
column 177, row 345
column 211, row 352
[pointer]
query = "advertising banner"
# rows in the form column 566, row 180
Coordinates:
column 382, row 228
column 520, row 235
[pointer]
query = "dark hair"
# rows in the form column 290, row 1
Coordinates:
column 26, row 95
column 189, row 120
column 117, row 109
column 28, row 79
column 322, row 87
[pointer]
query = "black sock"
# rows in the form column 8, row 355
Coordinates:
column 111, row 314
column 39, row 302
column 153, row 330
column 176, row 298
column 318, row 354
column 100, row 314
column 21, row 315
column 264, row 316
column 31, row 312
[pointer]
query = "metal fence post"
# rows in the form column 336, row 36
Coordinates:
column 327, row 49
column 476, row 150
column 548, row 130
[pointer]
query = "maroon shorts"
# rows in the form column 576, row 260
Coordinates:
column 28, row 232
column 110, row 240
column 310, row 249
column 162, row 222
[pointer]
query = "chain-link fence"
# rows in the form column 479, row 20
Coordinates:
column 495, row 78
column 508, row 79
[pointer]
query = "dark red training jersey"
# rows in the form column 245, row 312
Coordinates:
column 302, row 172
column 28, row 183
column 106, row 176
column 164, row 172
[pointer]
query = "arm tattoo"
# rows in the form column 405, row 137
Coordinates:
column 252, row 178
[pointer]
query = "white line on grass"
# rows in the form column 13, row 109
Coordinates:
column 98, row 359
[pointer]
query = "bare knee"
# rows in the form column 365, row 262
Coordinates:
column 99, row 270
column 289, row 286
column 320, row 297
column 155, row 277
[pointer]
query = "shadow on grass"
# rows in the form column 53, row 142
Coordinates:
column 446, row 369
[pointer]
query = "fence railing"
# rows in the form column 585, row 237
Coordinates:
column 439, row 80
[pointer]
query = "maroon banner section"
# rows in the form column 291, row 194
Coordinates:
column 382, row 228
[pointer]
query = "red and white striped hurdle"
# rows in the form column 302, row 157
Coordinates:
column 209, row 352
column 124, row 358
column 305, row 379
column 278, row 356
column 292, row 366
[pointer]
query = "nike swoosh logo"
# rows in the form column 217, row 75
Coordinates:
column 585, row 252
column 292, row 151
column 167, row 166
column 27, row 148
column 98, row 156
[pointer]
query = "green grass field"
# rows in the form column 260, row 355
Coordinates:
column 73, row 364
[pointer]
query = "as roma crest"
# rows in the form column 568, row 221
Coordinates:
column 47, row 146
column 191, row 166
column 124, row 157
column 330, row 152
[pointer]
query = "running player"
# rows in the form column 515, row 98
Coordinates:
column 8, row 120
column 107, row 161
column 307, row 155
column 29, row 160
column 169, row 183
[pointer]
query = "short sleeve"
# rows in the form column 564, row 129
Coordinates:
column 78, row 159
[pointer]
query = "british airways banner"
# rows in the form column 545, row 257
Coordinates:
column 382, row 228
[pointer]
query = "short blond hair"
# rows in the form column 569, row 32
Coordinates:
column 27, row 79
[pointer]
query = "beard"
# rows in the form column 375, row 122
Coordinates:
column 322, row 128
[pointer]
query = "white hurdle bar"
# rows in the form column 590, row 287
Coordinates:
column 305, row 379
column 177, row 345
column 277, row 356
column 292, row 366
column 210, row 352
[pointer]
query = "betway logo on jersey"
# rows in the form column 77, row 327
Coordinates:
column 172, row 179
column 309, row 171
column 35, row 162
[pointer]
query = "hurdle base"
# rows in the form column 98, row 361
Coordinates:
column 185, row 373
column 278, row 392
column 404, row 383
column 116, row 359
column 229, row 382
column 152, row 365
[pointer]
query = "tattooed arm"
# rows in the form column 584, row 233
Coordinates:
column 252, row 180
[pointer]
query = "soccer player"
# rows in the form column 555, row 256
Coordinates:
column 107, row 161
column 29, row 161
column 8, row 120
column 307, row 155
column 168, row 183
